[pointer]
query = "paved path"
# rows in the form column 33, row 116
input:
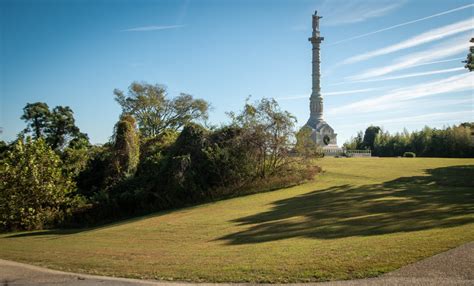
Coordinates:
column 454, row 267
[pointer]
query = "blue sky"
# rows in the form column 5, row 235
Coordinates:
column 395, row 64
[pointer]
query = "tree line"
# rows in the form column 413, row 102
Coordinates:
column 162, row 155
column 452, row 141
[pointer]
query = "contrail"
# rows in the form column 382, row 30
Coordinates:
column 437, row 62
column 152, row 28
column 402, row 24
column 330, row 93
column 401, row 76
column 420, row 39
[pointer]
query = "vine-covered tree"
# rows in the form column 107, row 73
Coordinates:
column 155, row 112
column 126, row 147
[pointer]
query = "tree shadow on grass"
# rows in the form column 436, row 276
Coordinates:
column 442, row 198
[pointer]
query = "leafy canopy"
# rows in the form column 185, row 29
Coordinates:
column 33, row 189
column 56, row 126
column 155, row 112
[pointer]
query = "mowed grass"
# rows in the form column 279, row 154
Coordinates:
column 360, row 218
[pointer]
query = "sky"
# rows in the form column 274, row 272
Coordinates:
column 395, row 64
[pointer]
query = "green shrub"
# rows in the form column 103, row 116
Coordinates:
column 409, row 155
column 34, row 192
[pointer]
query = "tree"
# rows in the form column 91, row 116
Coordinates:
column 155, row 112
column 126, row 147
column 57, row 126
column 268, row 132
column 61, row 127
column 305, row 146
column 76, row 155
column 355, row 143
column 3, row 149
column 33, row 189
column 470, row 58
column 369, row 136
column 37, row 117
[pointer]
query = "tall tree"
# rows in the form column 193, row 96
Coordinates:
column 61, row 127
column 470, row 58
column 57, row 127
column 369, row 136
column 268, row 131
column 155, row 112
column 37, row 117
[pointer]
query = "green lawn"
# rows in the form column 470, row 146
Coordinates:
column 360, row 218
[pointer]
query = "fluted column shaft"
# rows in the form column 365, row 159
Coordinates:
column 316, row 100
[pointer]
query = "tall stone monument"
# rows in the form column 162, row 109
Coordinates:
column 322, row 133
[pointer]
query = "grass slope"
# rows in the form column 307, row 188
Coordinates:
column 361, row 218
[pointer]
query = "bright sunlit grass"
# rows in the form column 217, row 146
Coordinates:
column 360, row 218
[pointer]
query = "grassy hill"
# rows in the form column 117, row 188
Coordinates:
column 360, row 218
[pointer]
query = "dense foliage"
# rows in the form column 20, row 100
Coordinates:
column 455, row 141
column 34, row 191
column 198, row 164
column 126, row 147
column 155, row 112
column 57, row 127
column 159, row 157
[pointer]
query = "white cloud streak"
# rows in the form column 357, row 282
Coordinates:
column 398, row 97
column 403, row 76
column 402, row 24
column 437, row 62
column 152, row 28
column 348, row 12
column 343, row 92
column 446, row 49
column 455, row 115
column 426, row 37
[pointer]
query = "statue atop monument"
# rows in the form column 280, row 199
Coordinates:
column 321, row 132
column 316, row 21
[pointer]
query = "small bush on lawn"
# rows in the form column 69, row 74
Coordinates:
column 409, row 155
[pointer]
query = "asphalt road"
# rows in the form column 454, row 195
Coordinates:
column 453, row 267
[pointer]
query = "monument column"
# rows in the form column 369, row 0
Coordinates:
column 316, row 100
column 321, row 132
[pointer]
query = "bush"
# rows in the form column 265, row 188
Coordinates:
column 409, row 155
column 34, row 192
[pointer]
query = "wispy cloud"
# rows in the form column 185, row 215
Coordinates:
column 348, row 12
column 446, row 49
column 402, row 24
column 342, row 92
column 403, row 76
column 426, row 37
column 397, row 97
column 437, row 62
column 456, row 115
column 436, row 117
column 152, row 28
